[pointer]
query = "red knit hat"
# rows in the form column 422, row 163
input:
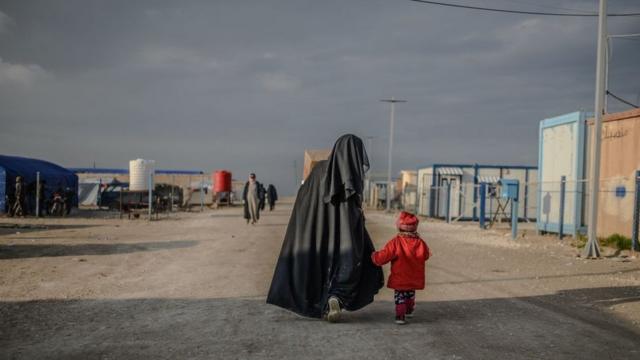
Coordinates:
column 407, row 222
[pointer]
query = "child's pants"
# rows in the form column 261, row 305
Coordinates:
column 405, row 301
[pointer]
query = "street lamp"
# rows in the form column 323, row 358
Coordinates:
column 369, row 171
column 592, row 249
column 393, row 102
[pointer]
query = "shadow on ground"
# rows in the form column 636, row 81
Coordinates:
column 237, row 216
column 22, row 251
column 557, row 326
column 6, row 229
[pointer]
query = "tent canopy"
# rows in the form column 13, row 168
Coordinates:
column 54, row 177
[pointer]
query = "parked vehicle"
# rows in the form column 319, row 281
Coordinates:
column 117, row 194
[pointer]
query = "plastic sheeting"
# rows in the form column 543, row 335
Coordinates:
column 89, row 190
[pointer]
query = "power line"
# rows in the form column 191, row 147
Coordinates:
column 622, row 100
column 531, row 3
column 521, row 12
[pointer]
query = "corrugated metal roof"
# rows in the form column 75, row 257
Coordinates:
column 488, row 179
column 450, row 171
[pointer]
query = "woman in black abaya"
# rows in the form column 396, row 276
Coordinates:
column 325, row 262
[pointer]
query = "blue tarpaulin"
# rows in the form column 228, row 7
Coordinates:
column 55, row 178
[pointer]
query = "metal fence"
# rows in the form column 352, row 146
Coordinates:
column 559, row 206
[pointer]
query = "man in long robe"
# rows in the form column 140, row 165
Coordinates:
column 325, row 262
column 251, row 197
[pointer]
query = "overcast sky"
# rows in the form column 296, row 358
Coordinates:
column 248, row 85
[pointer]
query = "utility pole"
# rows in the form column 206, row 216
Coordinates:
column 592, row 248
column 367, row 176
column 393, row 102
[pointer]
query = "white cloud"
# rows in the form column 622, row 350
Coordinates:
column 278, row 82
column 19, row 74
column 165, row 57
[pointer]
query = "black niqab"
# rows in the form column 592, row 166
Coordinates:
column 345, row 172
column 327, row 250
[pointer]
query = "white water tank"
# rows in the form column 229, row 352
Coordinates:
column 139, row 171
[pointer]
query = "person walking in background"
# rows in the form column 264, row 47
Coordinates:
column 272, row 194
column 407, row 253
column 262, row 196
column 251, row 198
column 18, row 205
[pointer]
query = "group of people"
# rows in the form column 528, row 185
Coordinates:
column 22, row 201
column 254, row 198
column 328, row 262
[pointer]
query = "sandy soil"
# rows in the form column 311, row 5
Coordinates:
column 192, row 285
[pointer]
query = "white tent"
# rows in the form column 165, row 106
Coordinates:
column 89, row 190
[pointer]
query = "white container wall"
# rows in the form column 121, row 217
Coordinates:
column 561, row 153
column 424, row 190
column 139, row 172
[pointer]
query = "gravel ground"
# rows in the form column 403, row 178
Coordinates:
column 192, row 286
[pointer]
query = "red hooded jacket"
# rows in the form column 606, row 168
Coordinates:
column 407, row 253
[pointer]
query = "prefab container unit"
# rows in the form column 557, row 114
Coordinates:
column 311, row 158
column 378, row 194
column 561, row 152
column 433, row 183
column 406, row 188
column 620, row 159
column 374, row 188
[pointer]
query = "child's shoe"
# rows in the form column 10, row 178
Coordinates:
column 334, row 310
column 400, row 320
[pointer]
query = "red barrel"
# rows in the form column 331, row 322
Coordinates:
column 221, row 181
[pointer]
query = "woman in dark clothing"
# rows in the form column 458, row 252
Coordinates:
column 272, row 195
column 325, row 262
column 262, row 194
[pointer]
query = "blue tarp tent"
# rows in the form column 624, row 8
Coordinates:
column 55, row 178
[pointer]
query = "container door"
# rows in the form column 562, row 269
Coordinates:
column 454, row 205
column 454, row 209
column 442, row 197
column 424, row 194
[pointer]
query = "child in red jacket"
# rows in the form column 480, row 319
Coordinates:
column 407, row 253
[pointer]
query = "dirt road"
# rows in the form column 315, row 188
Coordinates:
column 193, row 286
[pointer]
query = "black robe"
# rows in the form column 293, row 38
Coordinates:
column 272, row 194
column 327, row 250
column 261, row 196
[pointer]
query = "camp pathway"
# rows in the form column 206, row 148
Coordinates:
column 193, row 286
